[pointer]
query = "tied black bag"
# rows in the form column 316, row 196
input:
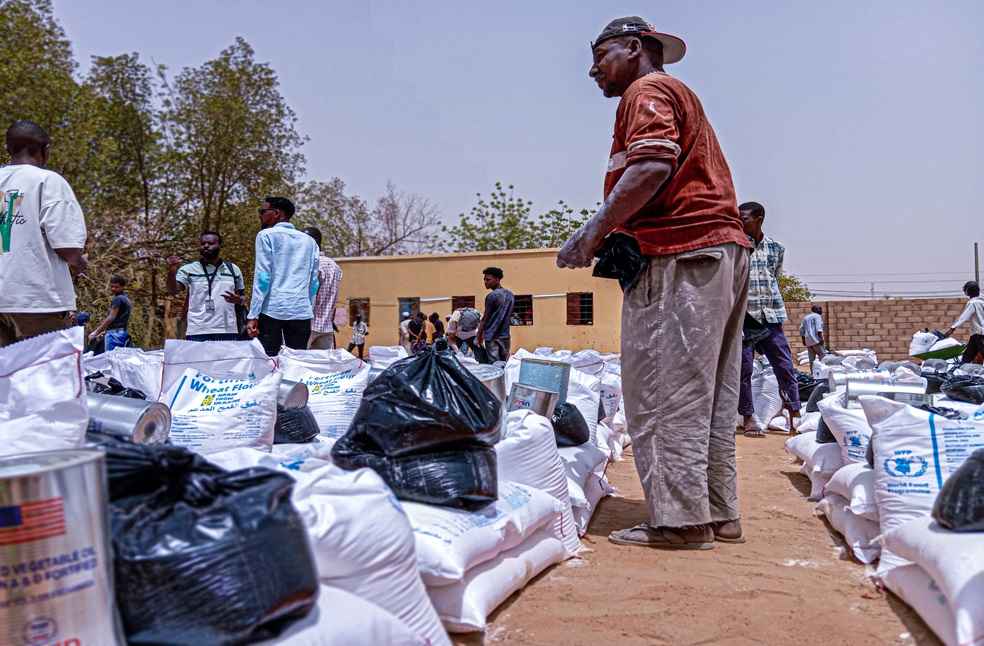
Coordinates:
column 295, row 426
column 621, row 259
column 964, row 388
column 960, row 504
column 428, row 427
column 570, row 428
column 202, row 555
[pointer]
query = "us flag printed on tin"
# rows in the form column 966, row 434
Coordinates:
column 32, row 521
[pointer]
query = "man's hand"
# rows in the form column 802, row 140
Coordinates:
column 173, row 262
column 94, row 335
column 252, row 328
column 579, row 250
column 232, row 297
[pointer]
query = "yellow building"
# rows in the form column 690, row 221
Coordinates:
column 555, row 307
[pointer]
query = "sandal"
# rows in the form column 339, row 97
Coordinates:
column 753, row 429
column 728, row 531
column 677, row 538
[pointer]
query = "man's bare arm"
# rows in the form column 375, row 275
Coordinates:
column 638, row 184
column 74, row 257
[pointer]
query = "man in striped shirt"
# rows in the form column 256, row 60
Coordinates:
column 329, row 280
column 767, row 308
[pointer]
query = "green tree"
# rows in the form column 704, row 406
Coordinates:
column 505, row 221
column 233, row 135
column 793, row 289
column 37, row 67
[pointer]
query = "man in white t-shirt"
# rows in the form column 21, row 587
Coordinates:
column 215, row 288
column 42, row 236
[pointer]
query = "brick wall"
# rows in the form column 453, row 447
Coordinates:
column 885, row 326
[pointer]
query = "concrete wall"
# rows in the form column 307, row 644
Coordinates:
column 436, row 278
column 883, row 325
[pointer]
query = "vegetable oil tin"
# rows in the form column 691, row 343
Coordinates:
column 56, row 585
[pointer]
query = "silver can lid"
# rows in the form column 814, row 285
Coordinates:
column 24, row 464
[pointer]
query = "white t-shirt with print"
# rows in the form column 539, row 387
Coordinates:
column 222, row 318
column 38, row 214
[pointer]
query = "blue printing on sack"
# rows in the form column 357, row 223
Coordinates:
column 936, row 451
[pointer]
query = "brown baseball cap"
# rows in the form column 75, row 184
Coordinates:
column 673, row 46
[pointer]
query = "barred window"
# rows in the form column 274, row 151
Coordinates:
column 359, row 306
column 409, row 306
column 457, row 302
column 580, row 308
column 522, row 310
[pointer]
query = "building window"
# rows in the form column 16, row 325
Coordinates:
column 359, row 307
column 523, row 310
column 408, row 307
column 580, row 308
column 457, row 302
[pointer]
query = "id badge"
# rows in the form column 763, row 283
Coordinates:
column 209, row 305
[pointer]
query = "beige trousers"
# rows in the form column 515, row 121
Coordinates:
column 681, row 359
column 15, row 327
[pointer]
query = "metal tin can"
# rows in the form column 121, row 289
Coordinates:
column 292, row 394
column 144, row 422
column 494, row 378
column 538, row 400
column 56, row 584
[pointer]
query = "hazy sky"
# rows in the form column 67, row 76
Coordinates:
column 857, row 123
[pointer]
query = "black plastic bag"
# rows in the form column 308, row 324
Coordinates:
column 821, row 389
column 752, row 332
column 570, row 428
column 111, row 387
column 806, row 385
column 620, row 258
column 960, row 503
column 824, row 436
column 428, row 426
column 934, row 381
column 464, row 479
column 964, row 388
column 295, row 426
column 202, row 555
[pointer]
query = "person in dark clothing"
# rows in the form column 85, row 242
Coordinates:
column 115, row 324
column 417, row 333
column 493, row 333
column 438, row 324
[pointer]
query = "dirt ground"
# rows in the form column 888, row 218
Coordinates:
column 791, row 583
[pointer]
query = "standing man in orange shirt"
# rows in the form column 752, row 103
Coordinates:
column 669, row 187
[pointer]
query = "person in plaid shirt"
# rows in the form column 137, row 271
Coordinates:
column 329, row 280
column 767, row 309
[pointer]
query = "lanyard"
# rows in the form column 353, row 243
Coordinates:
column 209, row 278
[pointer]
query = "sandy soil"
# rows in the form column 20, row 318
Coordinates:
column 791, row 583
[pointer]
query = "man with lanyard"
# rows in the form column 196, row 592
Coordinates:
column 669, row 187
column 767, row 310
column 215, row 288
column 285, row 282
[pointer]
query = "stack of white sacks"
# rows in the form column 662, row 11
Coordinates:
column 882, row 508
column 404, row 573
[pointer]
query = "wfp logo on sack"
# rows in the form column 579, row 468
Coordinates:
column 906, row 465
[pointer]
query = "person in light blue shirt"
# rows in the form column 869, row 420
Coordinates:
column 285, row 280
